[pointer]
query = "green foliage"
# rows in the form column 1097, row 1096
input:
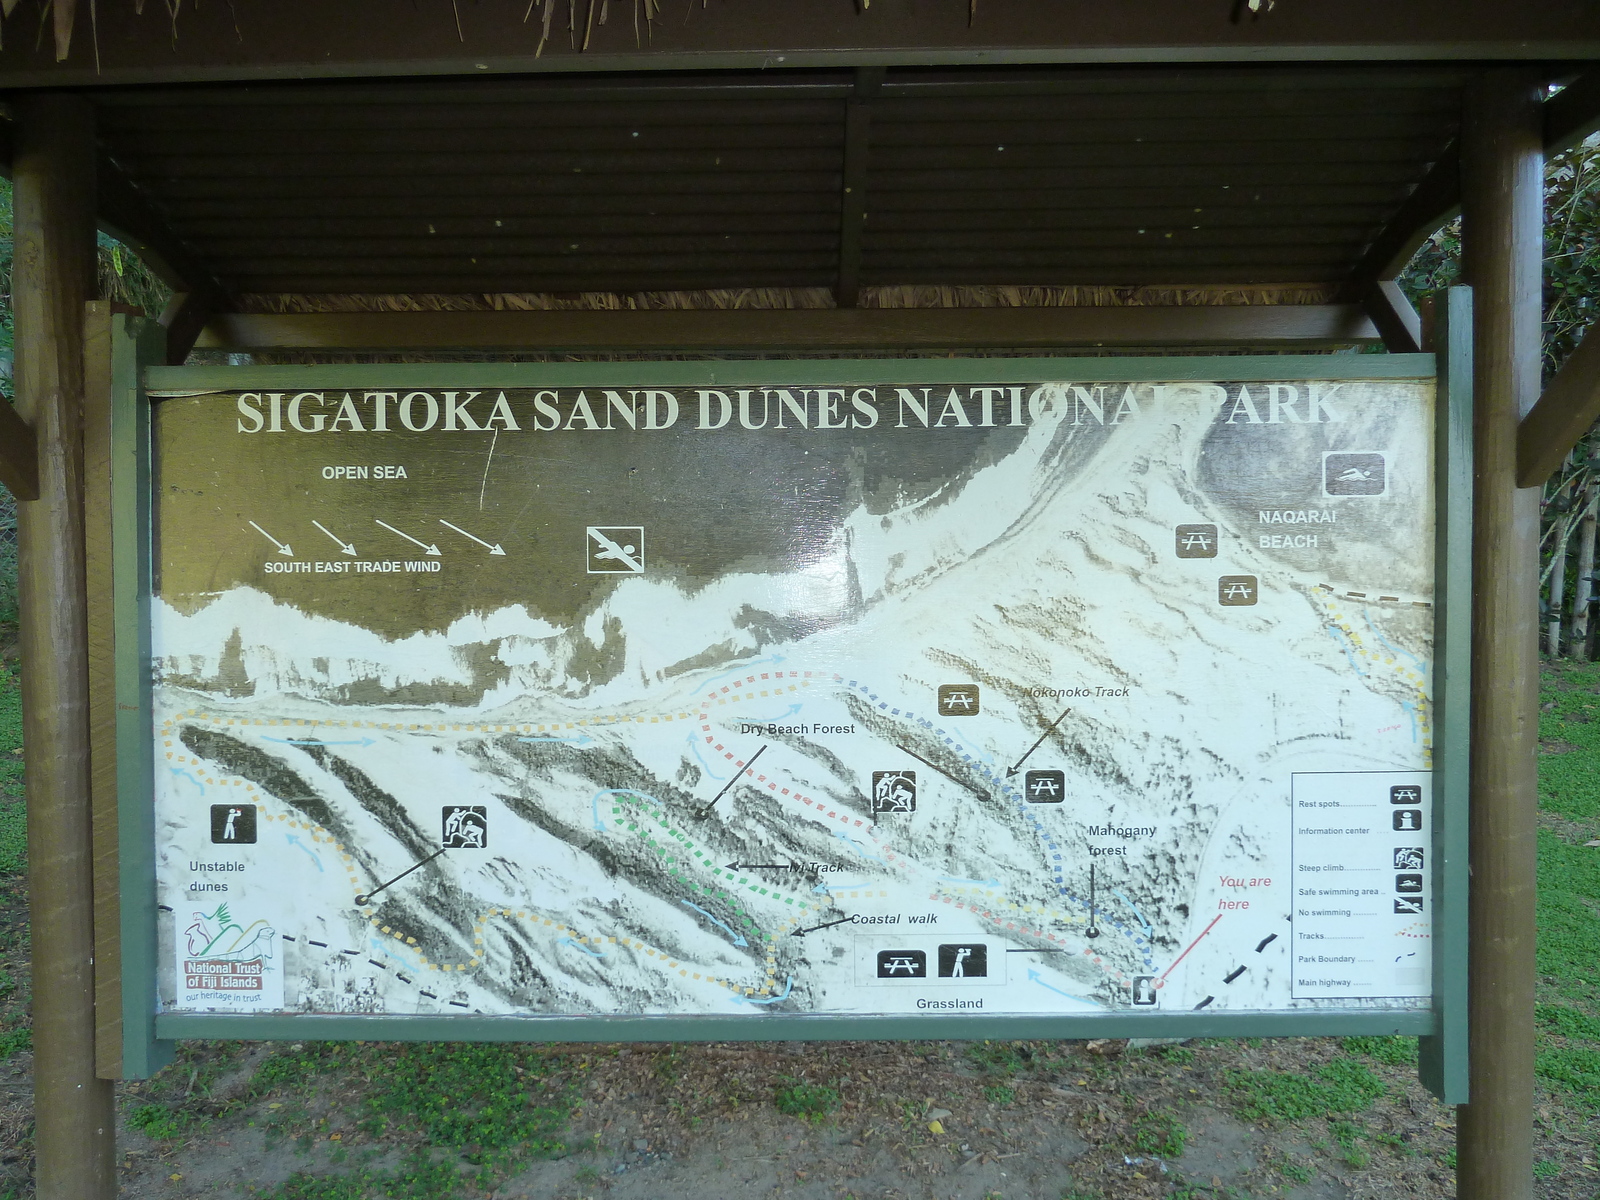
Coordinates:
column 1159, row 1134
column 1572, row 1068
column 1568, row 1022
column 159, row 1121
column 999, row 1058
column 1341, row 1086
column 809, row 1101
column 1568, row 907
column 420, row 1177
column 1000, row 1094
column 1396, row 1051
column 1349, row 1136
column 471, row 1098
column 1571, row 253
column 1545, row 1169
column 1180, row 1055
column 13, row 1041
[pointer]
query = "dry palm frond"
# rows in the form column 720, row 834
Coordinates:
column 908, row 296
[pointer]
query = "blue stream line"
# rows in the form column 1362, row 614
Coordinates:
column 694, row 741
column 999, row 782
column 295, row 841
column 179, row 772
column 566, row 941
column 1034, row 976
column 316, row 741
column 1148, row 928
column 738, row 938
column 788, row 987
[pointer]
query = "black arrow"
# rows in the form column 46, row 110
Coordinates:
column 739, row 866
column 1093, row 931
column 946, row 774
column 736, row 777
column 368, row 896
column 814, row 928
column 1012, row 769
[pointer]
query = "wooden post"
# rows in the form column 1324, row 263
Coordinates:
column 1502, row 234
column 52, row 279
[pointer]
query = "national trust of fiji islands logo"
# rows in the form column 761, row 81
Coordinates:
column 224, row 956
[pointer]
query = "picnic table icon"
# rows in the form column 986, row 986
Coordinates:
column 615, row 549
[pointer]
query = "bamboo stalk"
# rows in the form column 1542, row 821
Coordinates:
column 1584, row 588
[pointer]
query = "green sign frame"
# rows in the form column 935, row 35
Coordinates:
column 149, row 1036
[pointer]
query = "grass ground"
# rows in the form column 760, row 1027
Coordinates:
column 1298, row 1118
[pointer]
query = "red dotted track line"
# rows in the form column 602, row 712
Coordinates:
column 773, row 785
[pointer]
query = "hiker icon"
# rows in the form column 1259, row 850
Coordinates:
column 233, row 824
column 964, row 961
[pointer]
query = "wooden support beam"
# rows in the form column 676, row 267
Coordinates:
column 54, row 277
column 800, row 329
column 1433, row 202
column 184, row 319
column 1573, row 113
column 1568, row 409
column 853, row 186
column 127, row 216
column 1503, row 244
column 1392, row 312
column 19, row 455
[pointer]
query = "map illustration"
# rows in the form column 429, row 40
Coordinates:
column 1066, row 697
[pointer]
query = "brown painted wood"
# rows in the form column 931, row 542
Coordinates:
column 310, row 38
column 1565, row 412
column 19, row 456
column 53, row 278
column 797, row 329
column 185, row 316
column 99, row 577
column 1392, row 312
column 1502, row 198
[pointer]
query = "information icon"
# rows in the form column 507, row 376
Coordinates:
column 233, row 824
column 616, row 549
column 1045, row 787
column 1235, row 590
column 466, row 826
column 902, row 964
column 1197, row 541
column 1144, row 989
column 958, row 699
column 894, row 791
column 1408, row 820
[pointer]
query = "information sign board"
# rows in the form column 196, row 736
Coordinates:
column 797, row 698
